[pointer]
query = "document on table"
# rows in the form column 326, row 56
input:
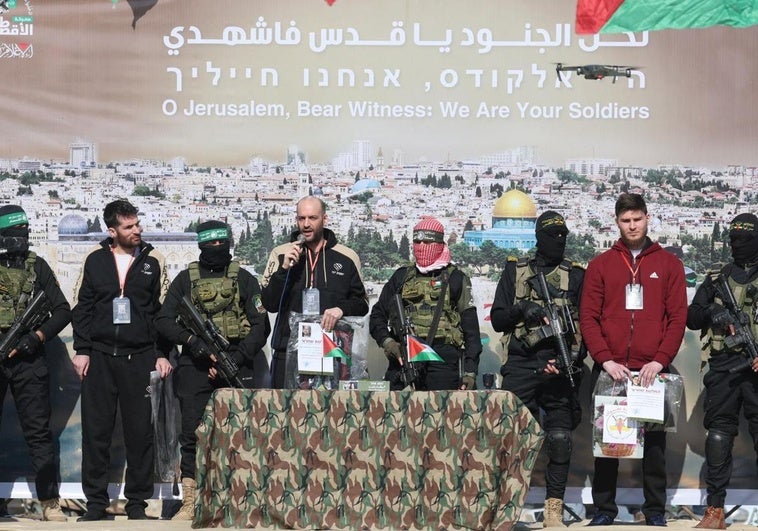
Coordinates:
column 310, row 350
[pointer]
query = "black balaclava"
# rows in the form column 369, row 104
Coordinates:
column 551, row 235
column 743, row 237
column 214, row 257
column 14, row 230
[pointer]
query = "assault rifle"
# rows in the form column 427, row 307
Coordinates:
column 742, row 336
column 560, row 324
column 207, row 330
column 402, row 329
column 33, row 316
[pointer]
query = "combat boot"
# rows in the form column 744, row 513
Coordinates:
column 712, row 519
column 51, row 510
column 187, row 510
column 552, row 514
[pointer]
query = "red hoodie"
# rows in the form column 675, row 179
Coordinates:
column 634, row 337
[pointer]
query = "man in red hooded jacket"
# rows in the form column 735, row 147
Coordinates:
column 633, row 314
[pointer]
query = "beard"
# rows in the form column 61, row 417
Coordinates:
column 635, row 242
column 128, row 243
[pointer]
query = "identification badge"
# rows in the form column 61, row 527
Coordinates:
column 311, row 302
column 634, row 296
column 122, row 310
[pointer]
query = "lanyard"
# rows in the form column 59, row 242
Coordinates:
column 635, row 270
column 312, row 261
column 122, row 278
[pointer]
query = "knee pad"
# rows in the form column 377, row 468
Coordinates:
column 559, row 446
column 718, row 447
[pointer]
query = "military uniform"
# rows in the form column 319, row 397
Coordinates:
column 518, row 311
column 528, row 351
column 457, row 338
column 230, row 297
column 22, row 276
column 437, row 301
column 726, row 393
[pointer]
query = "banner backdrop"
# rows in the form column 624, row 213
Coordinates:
column 234, row 108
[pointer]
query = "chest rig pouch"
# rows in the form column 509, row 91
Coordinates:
column 558, row 278
column 219, row 299
column 421, row 295
column 746, row 297
column 16, row 289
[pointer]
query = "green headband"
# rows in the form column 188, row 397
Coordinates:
column 13, row 219
column 212, row 234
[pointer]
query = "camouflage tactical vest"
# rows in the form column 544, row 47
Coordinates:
column 746, row 301
column 16, row 289
column 219, row 299
column 558, row 277
column 423, row 293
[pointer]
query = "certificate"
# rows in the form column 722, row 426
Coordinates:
column 310, row 350
column 646, row 403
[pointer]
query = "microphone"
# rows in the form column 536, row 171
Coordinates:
column 300, row 241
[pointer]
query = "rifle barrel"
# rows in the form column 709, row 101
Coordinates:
column 557, row 328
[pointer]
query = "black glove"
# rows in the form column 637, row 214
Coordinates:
column 237, row 354
column 198, row 349
column 28, row 344
column 719, row 316
column 392, row 349
column 533, row 313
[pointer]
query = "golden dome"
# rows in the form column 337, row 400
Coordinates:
column 514, row 204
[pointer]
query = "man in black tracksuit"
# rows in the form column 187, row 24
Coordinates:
column 313, row 261
column 119, row 295
column 231, row 297
column 22, row 276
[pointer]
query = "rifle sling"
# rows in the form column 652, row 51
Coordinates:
column 437, row 310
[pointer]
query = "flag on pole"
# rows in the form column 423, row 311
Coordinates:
column 420, row 351
column 331, row 350
column 616, row 16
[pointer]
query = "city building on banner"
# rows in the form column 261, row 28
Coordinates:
column 615, row 16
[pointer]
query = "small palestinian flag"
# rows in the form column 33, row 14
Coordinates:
column 418, row 351
column 331, row 350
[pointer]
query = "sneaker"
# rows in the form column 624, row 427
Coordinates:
column 601, row 519
column 92, row 515
column 657, row 520
column 51, row 511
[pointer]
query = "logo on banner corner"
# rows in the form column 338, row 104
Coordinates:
column 16, row 25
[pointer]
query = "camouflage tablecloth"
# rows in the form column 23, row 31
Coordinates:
column 377, row 460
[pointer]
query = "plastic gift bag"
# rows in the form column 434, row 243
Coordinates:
column 617, row 431
column 308, row 367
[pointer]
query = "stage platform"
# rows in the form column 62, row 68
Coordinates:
column 121, row 523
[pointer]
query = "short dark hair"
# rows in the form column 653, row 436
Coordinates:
column 118, row 208
column 628, row 201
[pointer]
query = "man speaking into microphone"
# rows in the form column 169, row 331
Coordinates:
column 311, row 274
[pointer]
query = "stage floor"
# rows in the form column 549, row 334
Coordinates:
column 121, row 523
